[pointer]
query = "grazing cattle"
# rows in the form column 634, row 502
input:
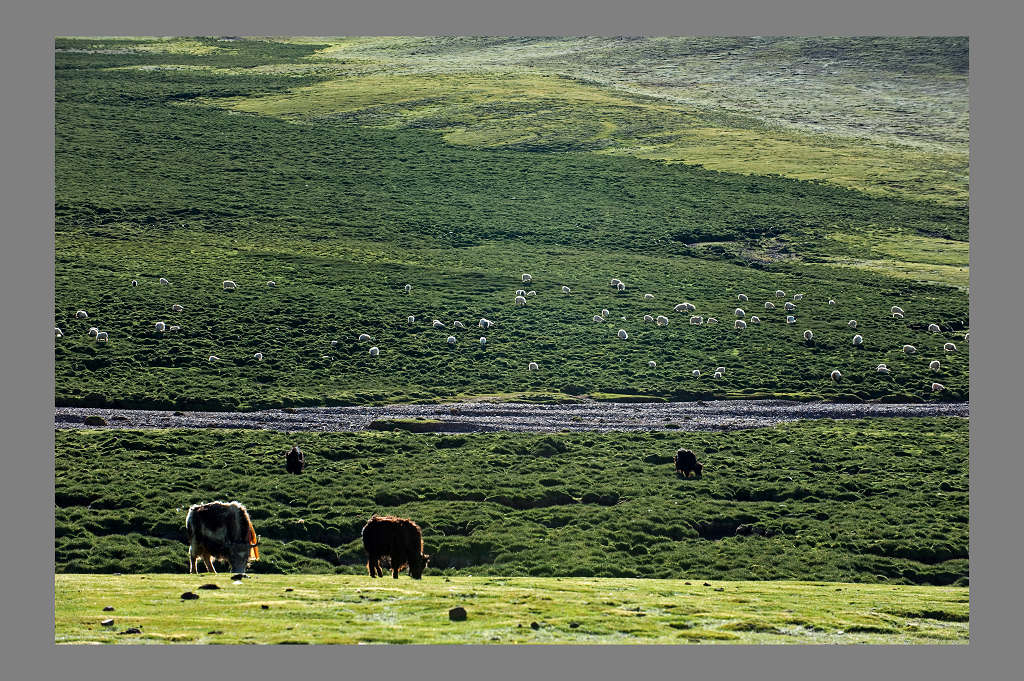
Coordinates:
column 295, row 461
column 220, row 531
column 686, row 463
column 398, row 538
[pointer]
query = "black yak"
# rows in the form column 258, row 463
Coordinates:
column 295, row 461
column 686, row 463
column 398, row 538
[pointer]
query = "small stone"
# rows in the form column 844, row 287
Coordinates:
column 289, row 589
column 457, row 614
column 238, row 577
column 720, row 589
column 189, row 596
column 534, row 626
column 574, row 625
column 131, row 630
column 706, row 584
column 265, row 607
column 214, row 632
column 108, row 622
column 686, row 583
column 108, row 608
column 209, row 586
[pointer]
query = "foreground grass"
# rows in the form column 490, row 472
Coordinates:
column 353, row 609
column 874, row 500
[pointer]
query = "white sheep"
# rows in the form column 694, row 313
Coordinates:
column 661, row 320
column 719, row 370
column 272, row 284
column 780, row 294
column 798, row 296
column 527, row 278
column 566, row 289
column 408, row 288
column 458, row 325
column 135, row 282
column 623, row 335
column 451, row 340
column 858, row 339
column 605, row 312
column 790, row 306
column 933, row 328
column 57, row 332
column 214, row 358
column 229, row 285
column 485, row 323
column 174, row 328
column 769, row 306
column 521, row 292
column 652, row 364
column 164, row 282
column 831, row 301
column 364, row 337
column 648, row 296
column 695, row 373
column 790, row 319
column 334, row 344
column 718, row 374
column 739, row 324
column 742, row 298
column 621, row 287
column 177, row 308
column 93, row 331
column 624, row 318
column 740, row 313
column 532, row 366
column 882, row 369
column 934, row 365
column 160, row 326
column 897, row 315
column 852, row 323
column 82, row 314
column 101, row 337
column 949, row 347
column 258, row 356
column 711, row 320
column 755, row 320
column 896, row 309
column 374, row 351
column 648, row 318
column 520, row 300
column 437, row 324
column 936, row 387
column 835, row 375
column 967, row 336
column 615, row 282
column 412, row 319
column 808, row 335
column 483, row 341
column 530, row 293
column 909, row 349
column 598, row 318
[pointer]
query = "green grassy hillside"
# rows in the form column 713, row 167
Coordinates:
column 881, row 500
column 160, row 174
column 302, row 609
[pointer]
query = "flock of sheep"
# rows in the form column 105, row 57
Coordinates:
column 520, row 300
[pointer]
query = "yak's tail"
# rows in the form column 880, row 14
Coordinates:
column 254, row 549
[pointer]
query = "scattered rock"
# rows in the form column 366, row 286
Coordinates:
column 706, row 584
column 265, row 607
column 130, row 630
column 95, row 421
column 289, row 589
column 108, row 608
column 720, row 589
column 238, row 577
column 108, row 622
column 209, row 586
column 214, row 632
column 534, row 626
column 189, row 596
column 179, row 413
column 457, row 614
column 574, row 625
column 687, row 583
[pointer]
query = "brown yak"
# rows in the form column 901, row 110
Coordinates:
column 398, row 538
column 220, row 531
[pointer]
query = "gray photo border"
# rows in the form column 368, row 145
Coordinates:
column 27, row 271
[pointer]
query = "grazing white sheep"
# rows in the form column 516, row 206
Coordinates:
column 624, row 318
column 101, row 337
column 623, row 335
column 695, row 373
column 437, row 324
column 740, row 312
column 451, row 340
column 530, row 293
column 374, row 351
column 798, row 296
column 483, row 341
column 598, row 318
column 408, row 288
column 272, row 284
column 711, row 320
column 831, row 301
column 739, row 324
column 652, row 364
column 858, row 339
column 852, row 323
column 661, row 320
column 214, row 358
column 897, row 315
column 936, row 387
column 411, row 318
column 566, row 289
column 621, row 287
column 174, row 328
column 949, row 347
column 521, row 292
column 808, row 335
column 718, row 374
column 164, row 282
column 909, row 349
column 780, row 294
column 229, row 285
column 485, row 323
column 520, row 300
column 934, row 365
column 135, row 282
column 882, row 369
column 896, row 309
column 648, row 296
column 334, row 344
column 527, row 278
column 697, row 320
column 790, row 319
column 967, row 336
column 57, row 332
column 719, row 370
column 615, row 282
column 790, row 306
column 742, row 298
column 82, row 314
column 755, row 320
column 160, row 326
column 458, row 325
column 177, row 308
column 648, row 318
column 769, row 306
column 835, row 375
column 258, row 356
column 532, row 366
column 933, row 328
column 93, row 331
column 605, row 312
column 364, row 337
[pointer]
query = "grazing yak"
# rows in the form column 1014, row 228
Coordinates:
column 686, row 463
column 294, row 460
column 220, row 531
column 398, row 538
